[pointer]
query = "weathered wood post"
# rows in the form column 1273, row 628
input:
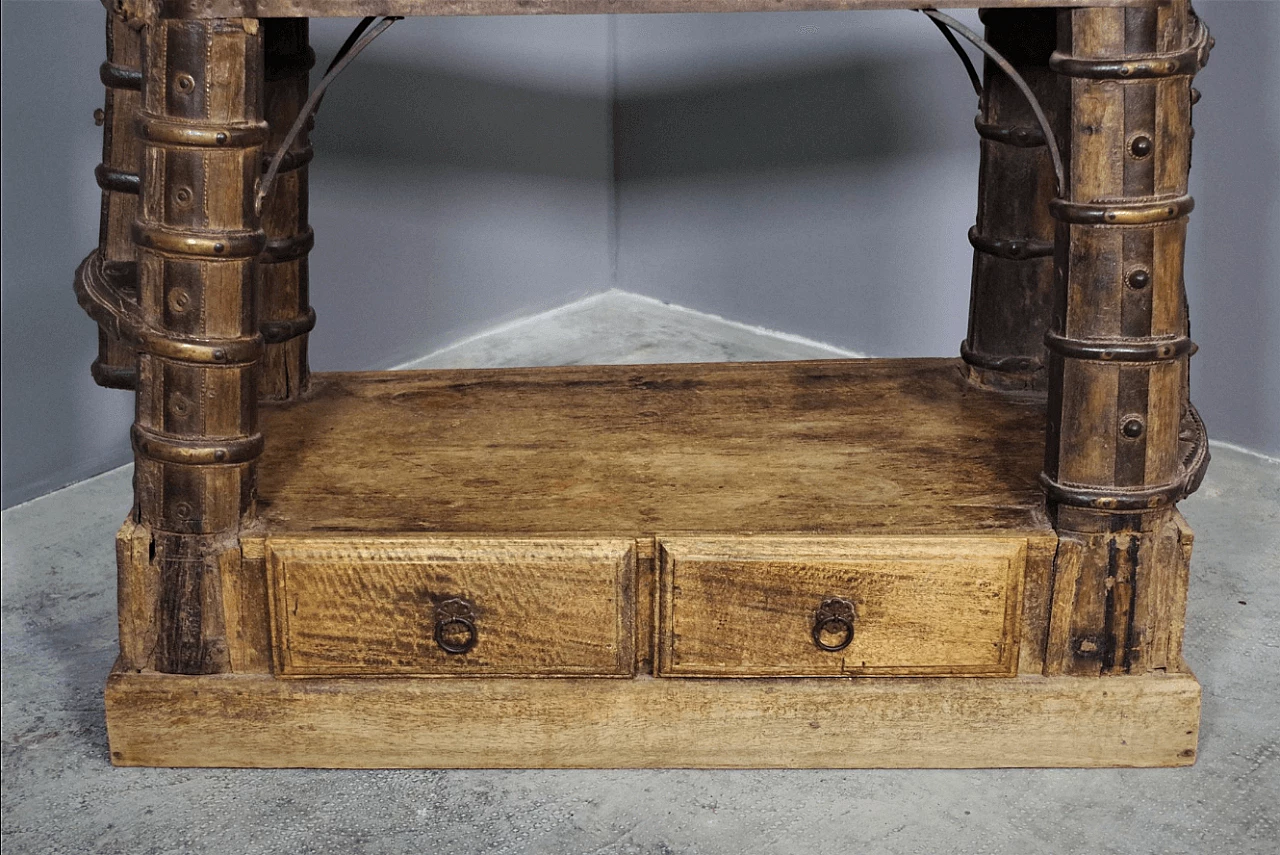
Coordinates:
column 1012, row 239
column 198, row 239
column 116, row 366
column 1114, row 461
column 284, row 307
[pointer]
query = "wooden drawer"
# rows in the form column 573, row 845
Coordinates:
column 746, row 607
column 381, row 606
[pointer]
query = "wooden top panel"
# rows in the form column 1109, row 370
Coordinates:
column 407, row 8
column 831, row 447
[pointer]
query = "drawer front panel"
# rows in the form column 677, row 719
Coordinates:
column 761, row 606
column 452, row 606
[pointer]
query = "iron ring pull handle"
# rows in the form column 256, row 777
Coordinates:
column 834, row 617
column 452, row 616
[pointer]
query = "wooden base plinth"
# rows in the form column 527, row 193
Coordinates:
column 258, row 721
column 642, row 554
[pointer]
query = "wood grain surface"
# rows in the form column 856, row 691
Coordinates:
column 833, row 447
column 734, row 606
column 955, row 722
column 368, row 606
column 1116, row 425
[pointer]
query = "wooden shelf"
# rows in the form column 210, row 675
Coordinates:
column 827, row 447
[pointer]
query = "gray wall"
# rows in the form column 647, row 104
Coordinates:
column 812, row 173
column 463, row 179
column 815, row 173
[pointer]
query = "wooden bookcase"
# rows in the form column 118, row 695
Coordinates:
column 913, row 562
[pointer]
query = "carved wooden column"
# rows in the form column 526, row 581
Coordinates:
column 284, row 306
column 1013, row 237
column 117, row 175
column 1123, row 444
column 198, row 240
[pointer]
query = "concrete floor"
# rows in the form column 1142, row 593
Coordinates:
column 62, row 796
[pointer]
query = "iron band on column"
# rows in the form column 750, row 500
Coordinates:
column 291, row 248
column 1121, row 213
column 228, row 244
column 1013, row 249
column 120, row 76
column 170, row 132
column 1113, row 498
column 207, row 451
column 117, row 180
column 1015, row 135
column 121, row 318
column 1006, row 364
column 1120, row 349
column 1186, row 62
column 278, row 332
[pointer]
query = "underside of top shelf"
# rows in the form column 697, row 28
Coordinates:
column 424, row 8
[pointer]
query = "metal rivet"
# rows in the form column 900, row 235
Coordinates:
column 185, row 82
column 221, row 138
column 1141, row 146
column 1133, row 427
column 220, row 355
column 219, row 247
column 219, row 455
column 99, row 117
column 179, row 300
column 1139, row 279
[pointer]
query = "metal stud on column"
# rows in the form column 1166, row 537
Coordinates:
column 1123, row 445
column 197, row 237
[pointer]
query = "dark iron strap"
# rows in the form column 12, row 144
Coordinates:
column 107, row 291
column 1004, row 364
column 122, row 319
column 1012, row 249
column 277, row 250
column 1120, row 349
column 120, row 76
column 1126, row 213
column 280, row 331
column 195, row 452
column 1185, row 62
column 1194, row 464
column 939, row 19
column 117, row 180
column 351, row 48
column 1015, row 135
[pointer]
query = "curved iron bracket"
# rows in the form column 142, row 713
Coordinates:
column 947, row 23
column 351, row 48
